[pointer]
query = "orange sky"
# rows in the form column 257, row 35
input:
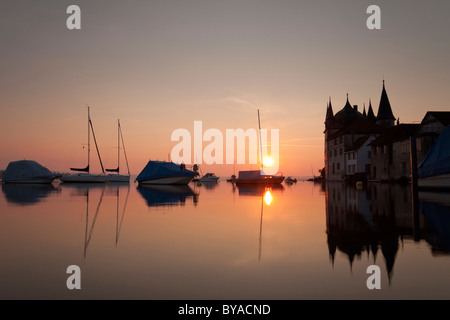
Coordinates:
column 160, row 66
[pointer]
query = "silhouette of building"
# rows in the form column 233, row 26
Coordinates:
column 348, row 134
column 362, row 146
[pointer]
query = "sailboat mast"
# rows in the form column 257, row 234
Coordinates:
column 260, row 142
column 118, row 146
column 89, row 138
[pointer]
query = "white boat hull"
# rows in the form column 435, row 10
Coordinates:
column 168, row 180
column 117, row 178
column 441, row 181
column 84, row 177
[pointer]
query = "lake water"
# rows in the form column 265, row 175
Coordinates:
column 220, row 241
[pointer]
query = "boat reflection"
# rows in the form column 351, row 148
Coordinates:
column 435, row 207
column 379, row 218
column 258, row 190
column 27, row 194
column 167, row 195
column 207, row 184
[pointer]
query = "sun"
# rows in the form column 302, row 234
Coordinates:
column 268, row 162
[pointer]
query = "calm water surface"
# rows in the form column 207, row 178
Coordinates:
column 223, row 242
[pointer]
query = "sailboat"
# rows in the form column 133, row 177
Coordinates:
column 256, row 176
column 119, row 177
column 85, row 175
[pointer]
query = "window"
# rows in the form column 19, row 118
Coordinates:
column 335, row 152
column 385, row 148
column 349, row 170
column 379, row 149
column 374, row 172
column 405, row 147
column 333, row 169
column 354, row 168
column 375, row 150
column 338, row 166
column 340, row 139
column 340, row 152
column 368, row 154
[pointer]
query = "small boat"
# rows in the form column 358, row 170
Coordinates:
column 232, row 179
column 119, row 177
column 162, row 172
column 290, row 180
column 255, row 177
column 85, row 175
column 27, row 172
column 434, row 171
column 209, row 177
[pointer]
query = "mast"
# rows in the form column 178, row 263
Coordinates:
column 89, row 137
column 260, row 142
column 118, row 145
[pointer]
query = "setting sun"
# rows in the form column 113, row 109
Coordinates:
column 268, row 162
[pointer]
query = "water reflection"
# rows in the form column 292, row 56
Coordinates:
column 435, row 207
column 267, row 196
column 207, row 184
column 27, row 194
column 258, row 190
column 379, row 218
column 167, row 195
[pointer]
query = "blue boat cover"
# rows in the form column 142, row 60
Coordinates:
column 437, row 160
column 161, row 169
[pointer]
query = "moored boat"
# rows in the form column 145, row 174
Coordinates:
column 84, row 174
column 162, row 172
column 27, row 172
column 209, row 177
column 434, row 170
column 255, row 177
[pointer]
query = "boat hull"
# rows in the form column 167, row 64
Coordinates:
column 117, row 178
column 31, row 181
column 83, row 177
column 264, row 180
column 167, row 180
column 441, row 181
column 211, row 179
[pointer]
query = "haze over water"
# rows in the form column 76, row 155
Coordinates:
column 222, row 242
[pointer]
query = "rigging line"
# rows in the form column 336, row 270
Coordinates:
column 96, row 146
column 124, row 151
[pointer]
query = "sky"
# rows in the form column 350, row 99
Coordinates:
column 161, row 65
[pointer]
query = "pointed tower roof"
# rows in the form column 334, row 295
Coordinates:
column 364, row 111
column 370, row 114
column 330, row 113
column 385, row 110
